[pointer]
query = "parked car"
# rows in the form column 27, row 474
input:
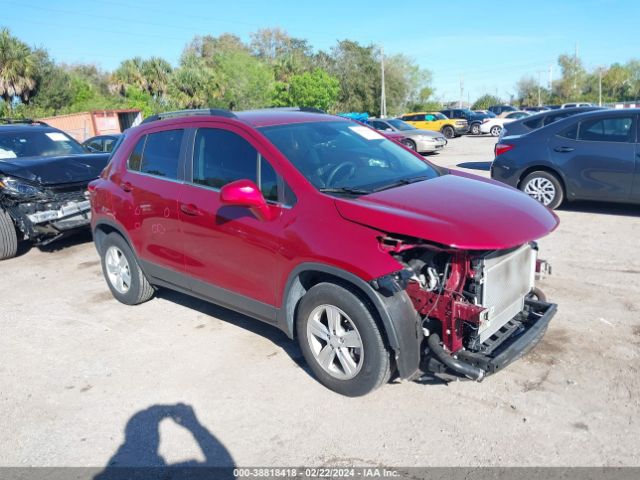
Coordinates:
column 576, row 104
column 494, row 126
column 552, row 107
column 473, row 119
column 101, row 143
column 487, row 113
column 539, row 120
column 499, row 109
column 373, row 257
column 437, row 122
column 422, row 141
column 536, row 109
column 43, row 184
column 587, row 156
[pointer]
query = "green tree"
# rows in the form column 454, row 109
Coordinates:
column 485, row 101
column 18, row 69
column 286, row 55
column 358, row 72
column 315, row 89
column 157, row 73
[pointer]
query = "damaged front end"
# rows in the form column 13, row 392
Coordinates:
column 478, row 309
column 45, row 213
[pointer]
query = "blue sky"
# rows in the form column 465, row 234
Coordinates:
column 490, row 44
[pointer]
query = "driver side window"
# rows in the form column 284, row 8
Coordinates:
column 221, row 157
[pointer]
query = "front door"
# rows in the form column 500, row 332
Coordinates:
column 231, row 256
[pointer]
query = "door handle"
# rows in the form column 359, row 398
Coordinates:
column 126, row 186
column 190, row 209
column 563, row 149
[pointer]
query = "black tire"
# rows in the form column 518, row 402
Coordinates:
column 411, row 144
column 555, row 197
column 375, row 369
column 139, row 290
column 537, row 294
column 448, row 132
column 496, row 130
column 8, row 236
column 475, row 129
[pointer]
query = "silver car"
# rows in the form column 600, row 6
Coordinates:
column 422, row 141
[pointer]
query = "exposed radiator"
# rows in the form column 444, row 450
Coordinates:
column 506, row 278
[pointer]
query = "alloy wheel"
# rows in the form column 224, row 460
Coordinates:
column 541, row 189
column 335, row 342
column 118, row 270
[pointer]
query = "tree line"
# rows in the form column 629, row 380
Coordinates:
column 272, row 69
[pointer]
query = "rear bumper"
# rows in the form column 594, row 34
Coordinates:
column 533, row 323
column 461, row 129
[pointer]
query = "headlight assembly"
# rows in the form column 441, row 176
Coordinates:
column 16, row 188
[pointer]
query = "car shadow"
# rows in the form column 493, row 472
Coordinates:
column 77, row 238
column 602, row 208
column 484, row 166
column 270, row 332
column 139, row 456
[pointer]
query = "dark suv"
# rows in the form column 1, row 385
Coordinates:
column 44, row 175
column 474, row 119
column 375, row 259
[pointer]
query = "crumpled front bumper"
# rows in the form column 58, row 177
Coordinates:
column 518, row 339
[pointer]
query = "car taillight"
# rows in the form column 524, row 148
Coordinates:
column 502, row 148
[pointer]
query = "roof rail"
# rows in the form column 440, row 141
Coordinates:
column 29, row 121
column 298, row 109
column 215, row 112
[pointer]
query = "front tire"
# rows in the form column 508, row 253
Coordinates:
column 341, row 341
column 448, row 132
column 544, row 187
column 8, row 236
column 496, row 131
column 125, row 279
column 411, row 144
column 475, row 129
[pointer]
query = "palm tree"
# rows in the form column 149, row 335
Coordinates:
column 156, row 72
column 18, row 69
column 129, row 73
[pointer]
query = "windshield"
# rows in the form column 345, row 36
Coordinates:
column 400, row 125
column 347, row 156
column 37, row 143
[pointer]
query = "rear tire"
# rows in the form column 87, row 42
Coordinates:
column 125, row 278
column 475, row 129
column 8, row 236
column 448, row 132
column 495, row 131
column 544, row 187
column 346, row 354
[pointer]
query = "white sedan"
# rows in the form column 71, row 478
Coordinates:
column 494, row 125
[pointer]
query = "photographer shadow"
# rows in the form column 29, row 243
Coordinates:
column 138, row 456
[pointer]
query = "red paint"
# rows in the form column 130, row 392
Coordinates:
column 228, row 239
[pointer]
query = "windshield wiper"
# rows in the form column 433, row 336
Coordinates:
column 401, row 182
column 347, row 190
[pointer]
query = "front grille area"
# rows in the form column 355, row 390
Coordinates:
column 506, row 278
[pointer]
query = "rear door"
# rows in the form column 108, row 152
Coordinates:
column 152, row 181
column 598, row 157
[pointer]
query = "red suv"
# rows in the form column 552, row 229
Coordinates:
column 375, row 259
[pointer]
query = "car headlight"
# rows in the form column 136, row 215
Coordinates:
column 16, row 188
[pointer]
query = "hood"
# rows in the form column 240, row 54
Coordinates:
column 459, row 210
column 56, row 170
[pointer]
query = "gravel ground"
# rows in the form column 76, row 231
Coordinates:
column 86, row 381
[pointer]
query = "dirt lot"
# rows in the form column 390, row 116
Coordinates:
column 78, row 370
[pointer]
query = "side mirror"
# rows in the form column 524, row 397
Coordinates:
column 245, row 193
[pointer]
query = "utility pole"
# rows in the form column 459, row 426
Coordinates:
column 599, row 86
column 575, row 69
column 383, row 95
column 461, row 91
column 551, row 77
column 539, row 87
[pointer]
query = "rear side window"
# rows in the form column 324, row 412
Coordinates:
column 157, row 154
column 533, row 123
column 571, row 132
column 616, row 129
column 161, row 154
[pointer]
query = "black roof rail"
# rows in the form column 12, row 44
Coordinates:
column 215, row 112
column 298, row 109
column 29, row 121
